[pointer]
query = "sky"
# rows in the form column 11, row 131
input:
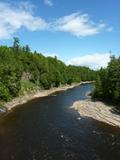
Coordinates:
column 79, row 32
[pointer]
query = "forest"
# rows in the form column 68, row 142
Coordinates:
column 107, row 86
column 22, row 70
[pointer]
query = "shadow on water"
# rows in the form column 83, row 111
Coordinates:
column 48, row 129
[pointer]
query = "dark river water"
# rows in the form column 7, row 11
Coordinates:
column 48, row 129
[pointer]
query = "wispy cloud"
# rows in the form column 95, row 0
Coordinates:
column 48, row 2
column 78, row 25
column 13, row 18
column 94, row 61
column 110, row 29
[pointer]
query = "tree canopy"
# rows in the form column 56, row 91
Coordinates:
column 107, row 85
column 22, row 70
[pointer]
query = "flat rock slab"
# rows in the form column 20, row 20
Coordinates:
column 97, row 110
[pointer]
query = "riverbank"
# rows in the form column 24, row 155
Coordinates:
column 36, row 94
column 98, row 111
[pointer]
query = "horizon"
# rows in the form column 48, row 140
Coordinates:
column 42, row 25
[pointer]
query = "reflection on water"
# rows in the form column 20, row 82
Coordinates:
column 48, row 129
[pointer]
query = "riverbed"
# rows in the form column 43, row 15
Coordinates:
column 48, row 128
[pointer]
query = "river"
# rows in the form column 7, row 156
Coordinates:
column 48, row 129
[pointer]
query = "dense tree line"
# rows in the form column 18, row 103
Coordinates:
column 22, row 70
column 107, row 84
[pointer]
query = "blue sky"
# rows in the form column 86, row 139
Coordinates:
column 79, row 32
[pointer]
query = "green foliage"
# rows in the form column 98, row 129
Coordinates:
column 26, row 86
column 4, row 93
column 108, row 85
column 16, row 44
column 21, row 71
column 98, row 91
column 77, row 74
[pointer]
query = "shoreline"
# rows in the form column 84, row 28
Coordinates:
column 37, row 94
column 98, row 111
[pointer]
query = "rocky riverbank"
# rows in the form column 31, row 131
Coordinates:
column 98, row 111
column 35, row 94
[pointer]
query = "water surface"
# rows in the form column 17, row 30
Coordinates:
column 48, row 129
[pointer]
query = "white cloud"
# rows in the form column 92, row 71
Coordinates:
column 110, row 29
column 78, row 25
column 13, row 18
column 48, row 2
column 94, row 61
column 25, row 5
